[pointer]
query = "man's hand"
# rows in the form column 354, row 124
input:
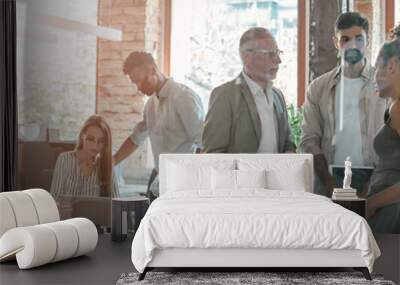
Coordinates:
column 124, row 151
column 329, row 184
column 321, row 168
column 371, row 209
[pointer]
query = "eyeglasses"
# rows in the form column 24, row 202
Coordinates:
column 270, row 53
column 92, row 139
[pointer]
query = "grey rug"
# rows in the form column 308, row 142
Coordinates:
column 270, row 278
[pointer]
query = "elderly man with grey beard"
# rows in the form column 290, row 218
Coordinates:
column 248, row 114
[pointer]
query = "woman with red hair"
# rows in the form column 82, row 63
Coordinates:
column 87, row 170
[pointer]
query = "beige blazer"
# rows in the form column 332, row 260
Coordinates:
column 318, row 127
column 233, row 124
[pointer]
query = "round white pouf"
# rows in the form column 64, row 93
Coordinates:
column 33, row 246
column 31, row 232
column 6, row 216
column 87, row 234
column 46, row 207
column 67, row 240
column 23, row 208
column 52, row 242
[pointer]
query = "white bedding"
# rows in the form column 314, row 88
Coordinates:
column 251, row 218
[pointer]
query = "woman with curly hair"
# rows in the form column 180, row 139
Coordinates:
column 383, row 204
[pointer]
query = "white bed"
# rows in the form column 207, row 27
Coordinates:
column 247, row 210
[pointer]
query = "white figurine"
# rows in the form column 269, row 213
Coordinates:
column 347, row 174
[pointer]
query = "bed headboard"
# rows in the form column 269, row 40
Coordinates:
column 222, row 160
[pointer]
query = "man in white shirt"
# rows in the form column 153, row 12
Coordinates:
column 342, row 112
column 173, row 115
column 248, row 114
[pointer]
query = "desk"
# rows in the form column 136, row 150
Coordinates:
column 102, row 266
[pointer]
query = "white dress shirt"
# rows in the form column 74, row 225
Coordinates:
column 265, row 108
column 173, row 119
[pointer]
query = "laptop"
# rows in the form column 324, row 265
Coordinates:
column 96, row 209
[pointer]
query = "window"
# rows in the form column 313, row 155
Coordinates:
column 56, row 65
column 397, row 12
column 205, row 40
column 374, row 11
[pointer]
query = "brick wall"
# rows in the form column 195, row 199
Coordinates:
column 365, row 8
column 323, row 57
column 323, row 15
column 117, row 98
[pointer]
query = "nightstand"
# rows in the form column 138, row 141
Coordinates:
column 357, row 205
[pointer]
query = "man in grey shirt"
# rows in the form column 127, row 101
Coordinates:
column 248, row 114
column 173, row 115
column 342, row 112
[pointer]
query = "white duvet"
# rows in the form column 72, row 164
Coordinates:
column 252, row 218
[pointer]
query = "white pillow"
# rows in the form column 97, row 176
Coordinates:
column 191, row 177
column 223, row 179
column 292, row 179
column 282, row 174
column 228, row 179
column 251, row 178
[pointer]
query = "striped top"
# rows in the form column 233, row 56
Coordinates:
column 69, row 180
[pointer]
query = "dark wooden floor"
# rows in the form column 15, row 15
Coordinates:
column 389, row 262
column 110, row 260
column 102, row 266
